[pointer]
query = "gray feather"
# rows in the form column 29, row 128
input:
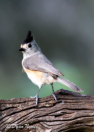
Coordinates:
column 69, row 84
column 39, row 62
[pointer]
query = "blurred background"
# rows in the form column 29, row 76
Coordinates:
column 63, row 29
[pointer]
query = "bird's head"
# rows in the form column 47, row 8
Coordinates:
column 29, row 45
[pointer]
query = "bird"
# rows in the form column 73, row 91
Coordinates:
column 39, row 68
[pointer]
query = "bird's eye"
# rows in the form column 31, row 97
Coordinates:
column 29, row 45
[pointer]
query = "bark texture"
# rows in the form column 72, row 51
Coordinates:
column 72, row 112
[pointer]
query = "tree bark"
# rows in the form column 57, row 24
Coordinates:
column 72, row 112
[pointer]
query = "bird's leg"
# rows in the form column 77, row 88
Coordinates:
column 36, row 96
column 53, row 92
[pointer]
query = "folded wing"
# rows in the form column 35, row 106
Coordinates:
column 40, row 63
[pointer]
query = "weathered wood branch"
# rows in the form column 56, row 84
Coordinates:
column 72, row 112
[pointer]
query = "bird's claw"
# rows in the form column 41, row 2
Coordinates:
column 36, row 96
column 54, row 96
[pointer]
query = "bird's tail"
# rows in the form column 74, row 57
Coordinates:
column 69, row 84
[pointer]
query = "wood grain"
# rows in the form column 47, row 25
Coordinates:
column 72, row 112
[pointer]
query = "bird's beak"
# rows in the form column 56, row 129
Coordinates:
column 21, row 49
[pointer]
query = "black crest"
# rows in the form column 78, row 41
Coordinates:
column 28, row 38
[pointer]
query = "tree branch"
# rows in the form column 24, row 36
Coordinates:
column 72, row 112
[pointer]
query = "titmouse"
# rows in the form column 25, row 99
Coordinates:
column 39, row 69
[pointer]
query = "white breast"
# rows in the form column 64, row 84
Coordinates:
column 39, row 78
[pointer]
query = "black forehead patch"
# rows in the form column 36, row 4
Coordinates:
column 28, row 38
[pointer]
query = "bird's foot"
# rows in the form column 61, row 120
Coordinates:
column 36, row 96
column 54, row 96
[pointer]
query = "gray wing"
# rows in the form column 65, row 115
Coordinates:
column 40, row 63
